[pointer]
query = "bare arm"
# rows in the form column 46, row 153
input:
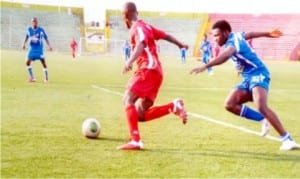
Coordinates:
column 273, row 34
column 220, row 59
column 25, row 41
column 135, row 54
column 173, row 40
column 48, row 43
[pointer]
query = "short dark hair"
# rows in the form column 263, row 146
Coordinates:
column 223, row 25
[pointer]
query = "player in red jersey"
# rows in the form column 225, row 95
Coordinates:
column 143, row 87
column 73, row 46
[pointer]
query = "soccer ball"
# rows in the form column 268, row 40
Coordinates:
column 91, row 128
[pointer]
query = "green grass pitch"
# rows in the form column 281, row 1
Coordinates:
column 41, row 123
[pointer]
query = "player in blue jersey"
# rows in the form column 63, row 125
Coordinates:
column 183, row 55
column 35, row 34
column 206, row 49
column 126, row 50
column 256, row 77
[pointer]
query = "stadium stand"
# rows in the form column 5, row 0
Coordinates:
column 267, row 48
column 185, row 29
column 60, row 27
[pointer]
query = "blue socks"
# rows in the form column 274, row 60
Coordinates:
column 251, row 114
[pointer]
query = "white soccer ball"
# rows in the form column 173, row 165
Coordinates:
column 91, row 128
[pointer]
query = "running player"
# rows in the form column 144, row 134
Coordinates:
column 206, row 49
column 143, row 87
column 256, row 78
column 35, row 34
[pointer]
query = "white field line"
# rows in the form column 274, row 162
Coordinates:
column 240, row 128
column 199, row 88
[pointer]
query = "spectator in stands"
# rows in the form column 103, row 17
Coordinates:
column 73, row 46
column 256, row 78
column 35, row 34
column 183, row 55
column 206, row 50
column 143, row 87
column 126, row 50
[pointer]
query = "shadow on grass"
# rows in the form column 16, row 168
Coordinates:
column 284, row 156
column 106, row 139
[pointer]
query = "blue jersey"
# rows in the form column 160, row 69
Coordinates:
column 244, row 59
column 248, row 64
column 206, row 48
column 36, row 37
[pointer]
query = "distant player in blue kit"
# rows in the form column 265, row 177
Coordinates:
column 126, row 50
column 35, row 34
column 206, row 49
column 256, row 78
column 183, row 55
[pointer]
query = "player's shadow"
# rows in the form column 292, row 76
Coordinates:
column 234, row 154
column 109, row 139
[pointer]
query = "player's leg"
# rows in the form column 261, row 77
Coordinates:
column 235, row 104
column 132, row 120
column 150, row 86
column 45, row 69
column 147, row 112
column 209, row 69
column 206, row 60
column 29, row 69
column 132, row 114
column 260, row 99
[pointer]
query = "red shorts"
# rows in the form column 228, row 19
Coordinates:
column 145, row 83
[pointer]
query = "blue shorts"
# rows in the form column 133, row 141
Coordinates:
column 36, row 56
column 258, row 78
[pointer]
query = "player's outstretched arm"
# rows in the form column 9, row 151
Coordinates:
column 275, row 33
column 220, row 59
column 173, row 40
column 48, row 43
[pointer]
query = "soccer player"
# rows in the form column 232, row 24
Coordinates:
column 126, row 50
column 256, row 78
column 206, row 49
column 183, row 55
column 35, row 34
column 143, row 87
column 73, row 46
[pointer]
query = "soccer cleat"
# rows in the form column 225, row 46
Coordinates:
column 179, row 110
column 131, row 145
column 288, row 145
column 265, row 127
column 46, row 81
column 31, row 80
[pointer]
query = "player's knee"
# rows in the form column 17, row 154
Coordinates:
column 141, row 115
column 263, row 109
column 229, row 106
